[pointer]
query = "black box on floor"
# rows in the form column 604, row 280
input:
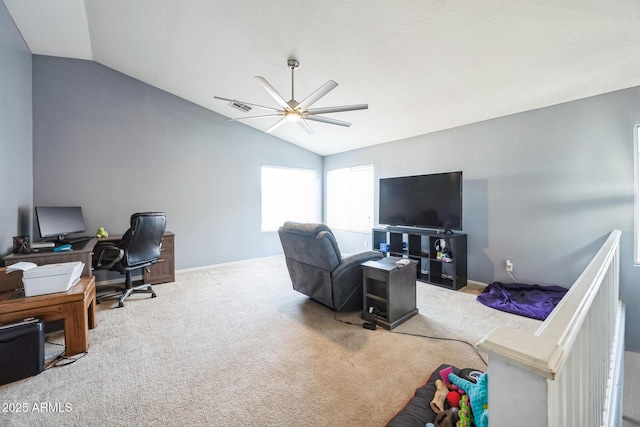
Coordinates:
column 21, row 350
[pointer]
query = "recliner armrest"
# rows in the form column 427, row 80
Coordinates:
column 355, row 259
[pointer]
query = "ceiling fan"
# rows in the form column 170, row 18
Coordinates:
column 294, row 110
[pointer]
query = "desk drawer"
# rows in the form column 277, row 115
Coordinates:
column 166, row 244
column 164, row 270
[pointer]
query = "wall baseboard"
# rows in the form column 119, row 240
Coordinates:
column 474, row 283
column 204, row 267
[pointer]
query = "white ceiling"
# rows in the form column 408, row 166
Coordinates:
column 421, row 65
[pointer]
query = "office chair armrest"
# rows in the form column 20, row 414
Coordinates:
column 109, row 254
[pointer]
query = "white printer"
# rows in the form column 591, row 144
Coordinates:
column 51, row 278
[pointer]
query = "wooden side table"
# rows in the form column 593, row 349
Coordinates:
column 390, row 289
column 77, row 307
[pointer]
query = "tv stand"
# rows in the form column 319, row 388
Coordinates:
column 446, row 268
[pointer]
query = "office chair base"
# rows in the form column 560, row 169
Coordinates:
column 146, row 289
column 124, row 293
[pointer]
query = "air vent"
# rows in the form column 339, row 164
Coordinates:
column 240, row 106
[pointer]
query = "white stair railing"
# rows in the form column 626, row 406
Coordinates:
column 568, row 373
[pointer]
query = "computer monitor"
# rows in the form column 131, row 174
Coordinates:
column 58, row 221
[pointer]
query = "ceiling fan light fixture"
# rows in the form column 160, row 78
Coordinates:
column 292, row 116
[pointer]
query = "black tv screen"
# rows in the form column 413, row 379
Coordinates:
column 425, row 201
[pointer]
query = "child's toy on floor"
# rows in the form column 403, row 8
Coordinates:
column 453, row 397
column 437, row 404
column 447, row 418
column 444, row 374
column 478, row 397
column 465, row 413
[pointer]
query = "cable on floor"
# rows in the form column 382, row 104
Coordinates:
column 61, row 360
column 335, row 314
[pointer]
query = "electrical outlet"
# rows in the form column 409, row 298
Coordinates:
column 365, row 244
column 508, row 266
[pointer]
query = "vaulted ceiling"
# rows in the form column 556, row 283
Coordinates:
column 421, row 65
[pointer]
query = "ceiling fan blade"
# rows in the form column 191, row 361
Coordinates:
column 325, row 110
column 276, row 125
column 246, row 103
column 264, row 116
column 319, row 93
column 304, row 125
column 328, row 120
column 274, row 93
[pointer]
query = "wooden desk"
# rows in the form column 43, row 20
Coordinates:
column 82, row 252
column 77, row 307
column 161, row 272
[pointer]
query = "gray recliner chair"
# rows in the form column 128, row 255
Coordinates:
column 317, row 268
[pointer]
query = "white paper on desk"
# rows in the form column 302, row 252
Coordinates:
column 22, row 265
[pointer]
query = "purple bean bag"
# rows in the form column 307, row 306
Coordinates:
column 533, row 301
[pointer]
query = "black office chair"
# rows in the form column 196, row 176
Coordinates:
column 139, row 248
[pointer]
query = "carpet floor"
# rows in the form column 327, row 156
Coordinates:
column 235, row 345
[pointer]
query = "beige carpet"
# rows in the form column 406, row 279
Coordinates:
column 235, row 345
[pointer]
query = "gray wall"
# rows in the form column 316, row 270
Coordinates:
column 115, row 145
column 16, row 178
column 541, row 188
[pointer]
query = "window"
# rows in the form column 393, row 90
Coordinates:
column 636, row 202
column 350, row 198
column 288, row 194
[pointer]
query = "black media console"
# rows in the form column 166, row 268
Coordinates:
column 442, row 257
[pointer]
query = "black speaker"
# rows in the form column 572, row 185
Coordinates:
column 21, row 350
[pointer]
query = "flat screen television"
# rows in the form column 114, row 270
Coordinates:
column 431, row 201
column 58, row 221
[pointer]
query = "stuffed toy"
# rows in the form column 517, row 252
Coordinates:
column 478, row 397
